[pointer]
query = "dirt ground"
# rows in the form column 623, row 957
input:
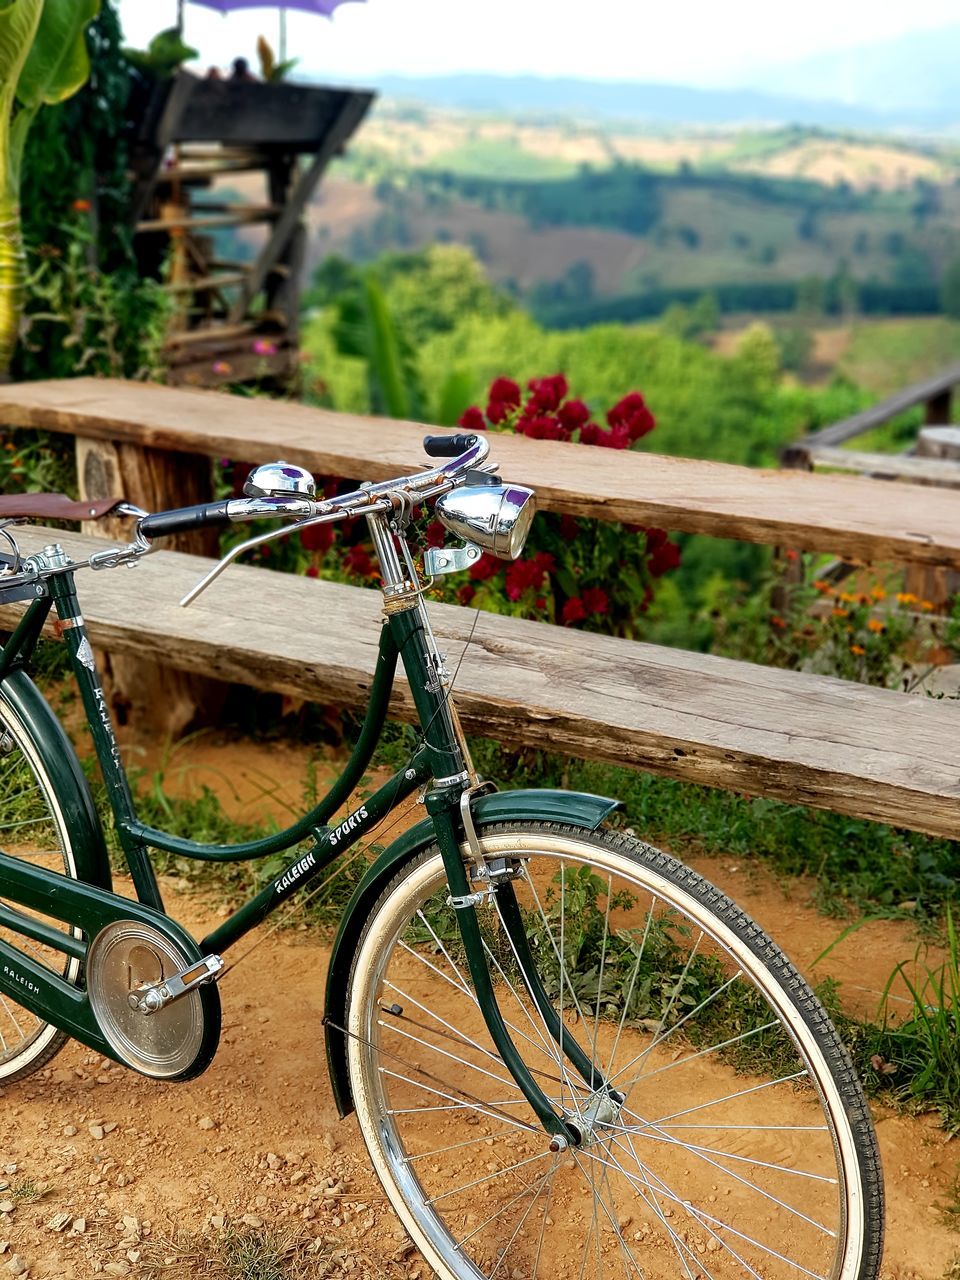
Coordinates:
column 106, row 1170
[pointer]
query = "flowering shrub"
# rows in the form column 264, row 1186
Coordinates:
column 575, row 572
column 859, row 629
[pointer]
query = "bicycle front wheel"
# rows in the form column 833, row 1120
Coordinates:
column 33, row 828
column 730, row 1139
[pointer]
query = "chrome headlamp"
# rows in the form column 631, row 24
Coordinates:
column 494, row 517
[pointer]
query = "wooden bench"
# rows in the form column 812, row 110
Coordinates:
column 161, row 428
column 809, row 739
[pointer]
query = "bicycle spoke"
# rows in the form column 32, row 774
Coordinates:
column 661, row 980
column 494, row 1173
column 729, row 1097
column 701, row 1153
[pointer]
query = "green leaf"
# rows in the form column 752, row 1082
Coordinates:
column 57, row 63
column 18, row 25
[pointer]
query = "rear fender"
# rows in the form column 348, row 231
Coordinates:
column 571, row 807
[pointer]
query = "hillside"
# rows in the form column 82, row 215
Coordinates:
column 577, row 218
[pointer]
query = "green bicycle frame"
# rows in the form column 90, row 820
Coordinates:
column 88, row 904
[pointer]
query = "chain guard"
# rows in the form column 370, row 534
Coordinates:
column 178, row 1041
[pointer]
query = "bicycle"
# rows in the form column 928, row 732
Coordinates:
column 569, row 1055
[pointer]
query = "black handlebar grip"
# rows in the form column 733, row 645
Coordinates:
column 447, row 446
column 185, row 519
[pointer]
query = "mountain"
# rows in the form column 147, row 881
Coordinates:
column 914, row 75
column 664, row 103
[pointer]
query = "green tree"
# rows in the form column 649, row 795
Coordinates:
column 43, row 59
column 366, row 330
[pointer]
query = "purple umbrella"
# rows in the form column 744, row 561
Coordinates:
column 324, row 7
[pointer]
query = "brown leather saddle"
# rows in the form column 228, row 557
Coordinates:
column 54, row 506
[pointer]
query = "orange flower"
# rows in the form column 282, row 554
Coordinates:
column 928, row 605
column 858, row 650
column 81, row 206
column 823, row 587
column 906, row 597
column 878, row 592
column 875, row 625
column 792, row 555
column 848, row 596
column 840, row 613
column 777, row 621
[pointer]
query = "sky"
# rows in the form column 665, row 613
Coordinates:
column 694, row 42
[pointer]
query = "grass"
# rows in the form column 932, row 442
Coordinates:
column 885, row 355
column 245, row 1253
column 26, row 1191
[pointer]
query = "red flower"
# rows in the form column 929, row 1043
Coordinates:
column 664, row 559
column 522, row 575
column 573, row 414
column 466, row 593
column 632, row 415
column 539, row 603
column 357, row 560
column 313, row 571
column 472, row 420
column 486, row 567
column 498, row 411
column 569, row 528
column 595, row 600
column 655, row 538
column 573, row 610
column 317, row 537
column 542, row 427
column 616, row 438
column 436, row 534
column 591, row 434
column 505, row 392
column 547, row 394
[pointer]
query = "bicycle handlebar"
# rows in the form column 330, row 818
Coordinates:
column 447, row 446
column 185, row 519
column 465, row 451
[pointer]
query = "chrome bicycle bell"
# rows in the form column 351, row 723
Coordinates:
column 279, row 480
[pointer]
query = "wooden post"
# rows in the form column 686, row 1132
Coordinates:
column 163, row 700
column 937, row 411
column 938, row 585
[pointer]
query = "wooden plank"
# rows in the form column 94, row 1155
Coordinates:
column 198, row 284
column 190, row 222
column 917, row 393
column 210, row 333
column 810, row 739
column 889, row 466
column 841, row 515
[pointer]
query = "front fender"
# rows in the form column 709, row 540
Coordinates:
column 572, row 807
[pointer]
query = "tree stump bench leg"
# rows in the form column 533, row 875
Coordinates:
column 164, row 701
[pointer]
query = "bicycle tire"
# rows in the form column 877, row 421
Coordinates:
column 38, row 833
column 744, row 1146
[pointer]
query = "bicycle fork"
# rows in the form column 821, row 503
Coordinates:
column 443, row 808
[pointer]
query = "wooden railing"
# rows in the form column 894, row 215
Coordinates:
column 805, row 738
column 821, row 448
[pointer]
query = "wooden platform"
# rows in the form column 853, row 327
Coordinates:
column 838, row 514
column 803, row 738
